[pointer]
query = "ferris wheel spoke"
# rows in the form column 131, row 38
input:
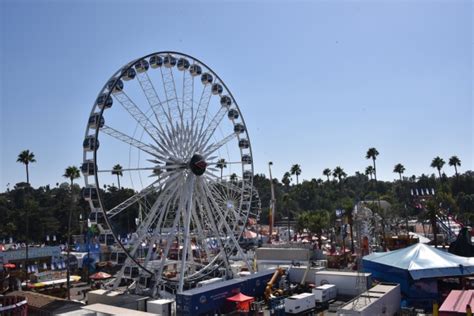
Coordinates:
column 201, row 111
column 134, row 198
column 170, row 92
column 226, row 225
column 152, row 215
column 205, row 136
column 154, row 101
column 201, row 233
column 188, row 96
column 216, row 146
column 187, row 205
column 172, row 234
column 167, row 167
column 205, row 208
column 137, row 114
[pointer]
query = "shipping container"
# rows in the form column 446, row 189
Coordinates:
column 349, row 284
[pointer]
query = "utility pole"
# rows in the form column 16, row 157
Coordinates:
column 272, row 203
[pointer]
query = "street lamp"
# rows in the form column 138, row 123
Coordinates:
column 272, row 203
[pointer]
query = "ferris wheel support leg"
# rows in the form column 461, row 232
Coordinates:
column 188, row 204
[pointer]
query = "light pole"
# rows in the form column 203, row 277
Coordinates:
column 272, row 203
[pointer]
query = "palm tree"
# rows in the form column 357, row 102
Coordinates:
column 25, row 157
column 438, row 163
column 399, row 168
column 339, row 173
column 72, row 172
column 286, row 179
column 317, row 221
column 117, row 170
column 221, row 164
column 369, row 171
column 372, row 153
column 296, row 170
column 455, row 162
column 233, row 178
column 327, row 172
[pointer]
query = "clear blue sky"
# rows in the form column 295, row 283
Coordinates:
column 318, row 82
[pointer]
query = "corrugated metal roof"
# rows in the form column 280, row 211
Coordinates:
column 457, row 301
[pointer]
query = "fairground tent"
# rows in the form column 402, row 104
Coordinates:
column 416, row 269
column 421, row 261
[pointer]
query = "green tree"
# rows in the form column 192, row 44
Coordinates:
column 117, row 170
column 286, row 180
column 339, row 173
column 399, row 168
column 438, row 163
column 318, row 221
column 26, row 157
column 455, row 162
column 296, row 170
column 233, row 178
column 369, row 171
column 221, row 164
column 372, row 153
column 72, row 172
column 327, row 173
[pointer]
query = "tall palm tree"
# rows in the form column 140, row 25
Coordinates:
column 455, row 162
column 221, row 164
column 372, row 153
column 438, row 163
column 72, row 172
column 369, row 171
column 296, row 170
column 286, row 179
column 117, row 170
column 327, row 172
column 399, row 168
column 26, row 157
column 339, row 173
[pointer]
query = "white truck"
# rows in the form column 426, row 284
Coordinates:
column 300, row 303
column 325, row 293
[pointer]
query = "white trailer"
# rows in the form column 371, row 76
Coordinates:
column 325, row 293
column 162, row 307
column 382, row 299
column 347, row 283
column 299, row 303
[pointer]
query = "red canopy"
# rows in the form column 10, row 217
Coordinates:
column 241, row 301
column 240, row 298
column 9, row 265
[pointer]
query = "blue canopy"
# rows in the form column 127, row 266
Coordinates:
column 422, row 261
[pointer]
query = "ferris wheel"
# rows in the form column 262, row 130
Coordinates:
column 168, row 127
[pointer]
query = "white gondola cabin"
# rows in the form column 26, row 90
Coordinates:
column 115, row 88
column 169, row 61
column 141, row 65
column 95, row 120
column 128, row 74
column 206, row 78
column 195, row 70
column 88, row 168
column 90, row 193
column 90, row 143
column 248, row 175
column 156, row 61
column 103, row 101
column 233, row 114
column 246, row 159
column 244, row 143
column 183, row 64
column 216, row 89
column 239, row 128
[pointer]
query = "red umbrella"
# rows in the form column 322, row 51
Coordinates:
column 100, row 276
column 9, row 265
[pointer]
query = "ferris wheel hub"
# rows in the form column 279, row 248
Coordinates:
column 197, row 164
